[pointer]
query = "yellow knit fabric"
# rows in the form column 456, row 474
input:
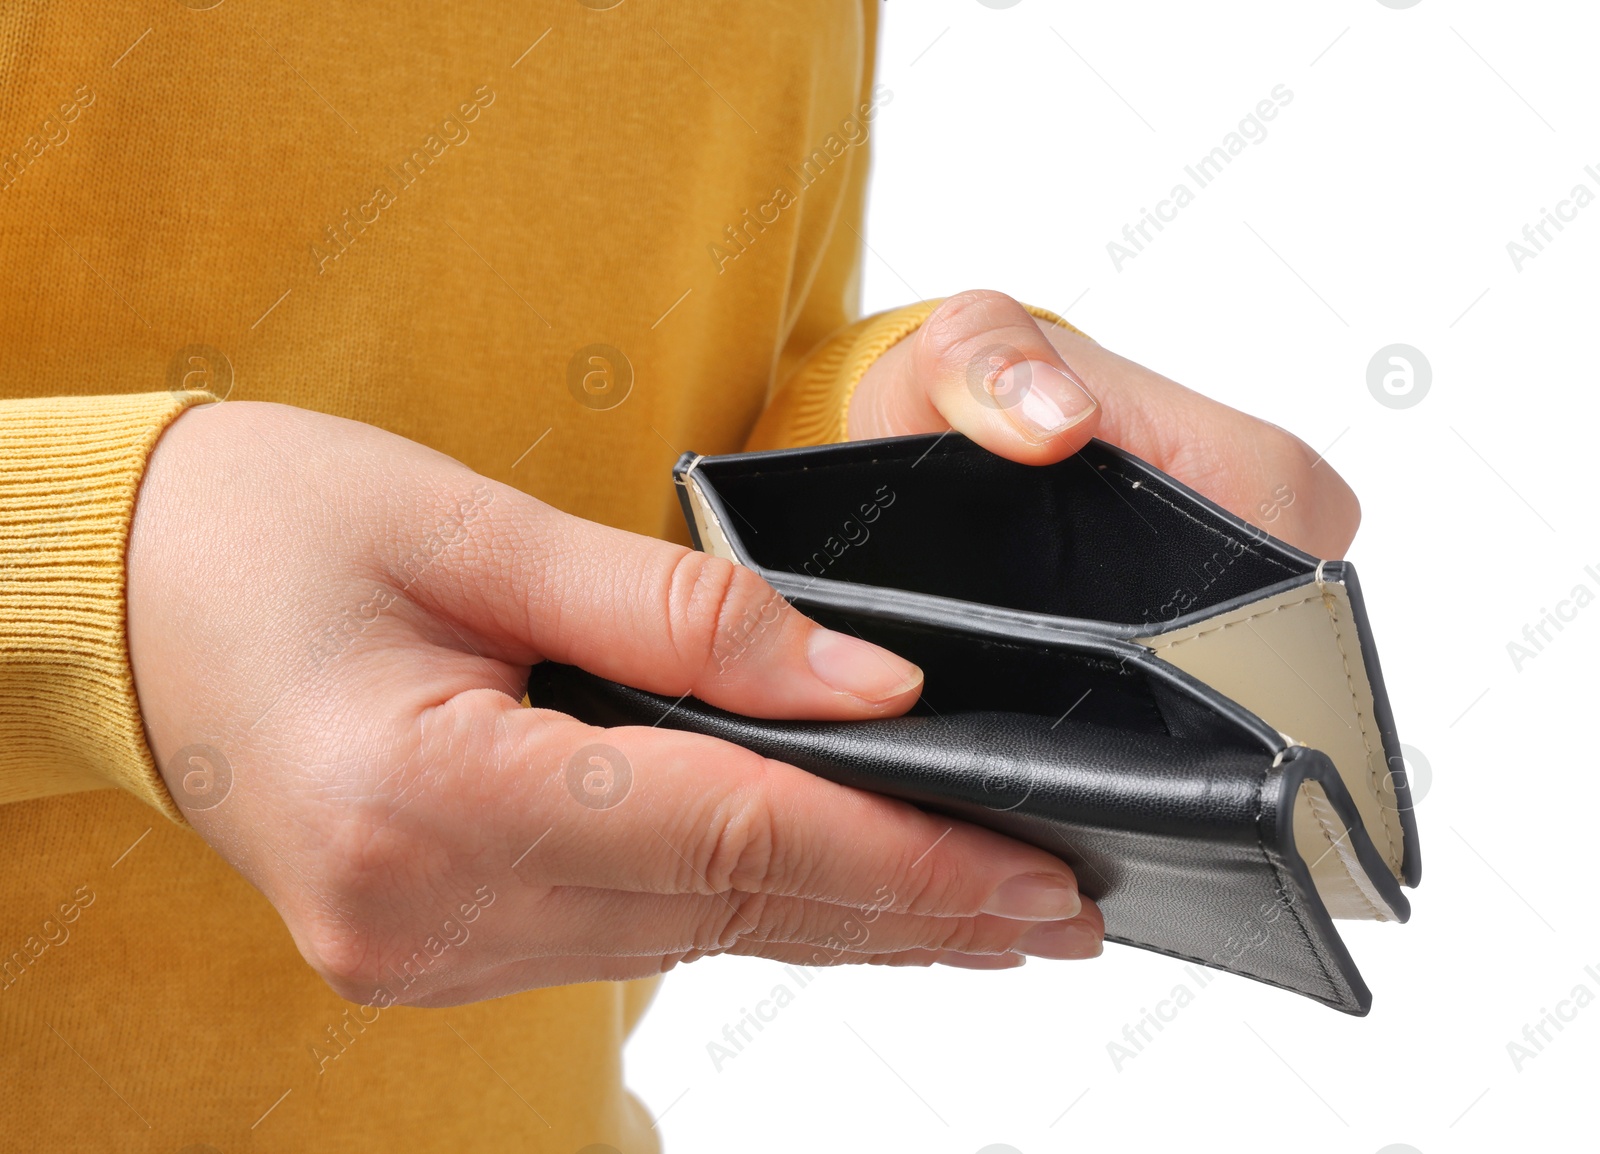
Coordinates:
column 443, row 220
column 70, row 469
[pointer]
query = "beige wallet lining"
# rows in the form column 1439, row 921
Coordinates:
column 1322, row 698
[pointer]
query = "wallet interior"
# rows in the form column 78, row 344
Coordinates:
column 1089, row 539
column 1097, row 550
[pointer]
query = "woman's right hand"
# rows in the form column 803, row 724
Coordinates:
column 330, row 629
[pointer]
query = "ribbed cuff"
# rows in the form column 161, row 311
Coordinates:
column 813, row 408
column 70, row 469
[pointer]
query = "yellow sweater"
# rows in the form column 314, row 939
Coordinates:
column 560, row 241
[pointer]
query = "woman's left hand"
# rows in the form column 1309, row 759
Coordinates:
column 982, row 365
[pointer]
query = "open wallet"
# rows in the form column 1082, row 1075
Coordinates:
column 1186, row 710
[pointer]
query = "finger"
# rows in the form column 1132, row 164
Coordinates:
column 540, row 973
column 813, row 957
column 782, row 923
column 572, row 920
column 455, row 985
column 537, row 583
column 693, row 815
column 1254, row 469
column 980, row 365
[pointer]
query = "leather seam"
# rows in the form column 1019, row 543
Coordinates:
column 1318, row 809
column 1139, row 485
column 1283, row 894
column 1241, row 621
column 1393, row 858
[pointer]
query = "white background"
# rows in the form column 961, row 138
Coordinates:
column 1378, row 209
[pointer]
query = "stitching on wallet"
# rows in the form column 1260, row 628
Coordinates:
column 1211, row 963
column 1240, row 621
column 1283, row 894
column 1394, row 858
column 1181, row 511
column 1319, row 810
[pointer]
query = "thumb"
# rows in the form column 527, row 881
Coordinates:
column 536, row 583
column 979, row 365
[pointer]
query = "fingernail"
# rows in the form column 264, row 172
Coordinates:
column 1041, row 400
column 1074, row 940
column 859, row 668
column 1035, row 898
column 982, row 961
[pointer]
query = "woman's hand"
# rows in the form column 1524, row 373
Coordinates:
column 981, row 364
column 330, row 629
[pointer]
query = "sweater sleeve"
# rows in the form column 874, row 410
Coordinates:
column 70, row 469
column 812, row 405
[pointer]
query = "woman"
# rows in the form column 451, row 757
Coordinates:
column 271, row 791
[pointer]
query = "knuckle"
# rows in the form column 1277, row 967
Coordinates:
column 344, row 957
column 714, row 609
column 736, row 918
column 938, row 889
column 963, row 935
column 776, row 920
column 981, row 935
column 955, row 330
column 740, row 850
column 923, row 877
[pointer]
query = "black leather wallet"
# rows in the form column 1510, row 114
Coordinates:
column 1186, row 710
